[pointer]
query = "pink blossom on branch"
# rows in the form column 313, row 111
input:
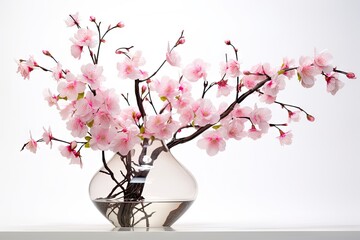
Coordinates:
column 161, row 126
column 51, row 99
column 307, row 72
column 172, row 57
column 57, row 72
column 196, row 70
column 72, row 20
column 333, row 84
column 92, row 75
column 101, row 138
column 205, row 112
column 231, row 68
column 224, row 88
column 70, row 152
column 124, row 141
column 47, row 136
column 212, row 142
column 32, row 145
column 323, row 61
column 25, row 67
column 129, row 68
column 285, row 138
column 71, row 87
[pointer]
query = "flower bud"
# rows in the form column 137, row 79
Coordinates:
column 143, row 89
column 246, row 72
column 181, row 40
column 46, row 53
column 92, row 19
column 73, row 145
column 227, row 42
column 119, row 52
column 120, row 25
column 102, row 40
column 310, row 117
column 351, row 75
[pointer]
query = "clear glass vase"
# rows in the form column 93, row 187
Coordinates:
column 146, row 188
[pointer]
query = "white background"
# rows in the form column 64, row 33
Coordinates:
column 314, row 182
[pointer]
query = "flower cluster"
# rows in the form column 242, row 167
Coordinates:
column 166, row 107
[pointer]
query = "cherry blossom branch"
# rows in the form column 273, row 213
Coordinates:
column 101, row 38
column 178, row 42
column 78, row 26
column 202, row 129
column 285, row 105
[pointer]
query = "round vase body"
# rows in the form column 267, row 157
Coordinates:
column 146, row 188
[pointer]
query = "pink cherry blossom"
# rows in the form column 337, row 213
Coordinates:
column 129, row 69
column 257, row 74
column 25, row 67
column 323, row 61
column 333, row 84
column 92, row 75
column 85, row 37
column 172, row 57
column 224, row 88
column 287, row 64
column 231, row 68
column 233, row 129
column 196, row 70
column 186, row 115
column 166, row 87
column 77, row 126
column 272, row 88
column 182, row 101
column 47, row 136
column 125, row 141
column 205, row 112
column 70, row 152
column 110, row 103
column 57, row 72
column 102, row 119
column 76, row 51
column 161, row 126
column 307, row 72
column 70, row 20
column 285, row 138
column 185, row 87
column 68, row 110
column 254, row 133
column 84, row 109
column 212, row 142
column 240, row 112
column 32, row 145
column 294, row 116
column 101, row 138
column 70, row 88
column 51, row 99
column 260, row 117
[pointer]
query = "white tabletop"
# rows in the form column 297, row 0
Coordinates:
column 205, row 232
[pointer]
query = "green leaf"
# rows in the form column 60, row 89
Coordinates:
column 163, row 98
column 216, row 126
column 80, row 96
column 281, row 72
column 299, row 77
column 88, row 138
column 90, row 124
column 87, row 145
column 142, row 130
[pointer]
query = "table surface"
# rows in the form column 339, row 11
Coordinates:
column 208, row 232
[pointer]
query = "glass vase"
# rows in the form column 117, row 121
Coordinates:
column 146, row 188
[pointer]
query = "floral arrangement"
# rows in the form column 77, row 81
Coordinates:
column 166, row 108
